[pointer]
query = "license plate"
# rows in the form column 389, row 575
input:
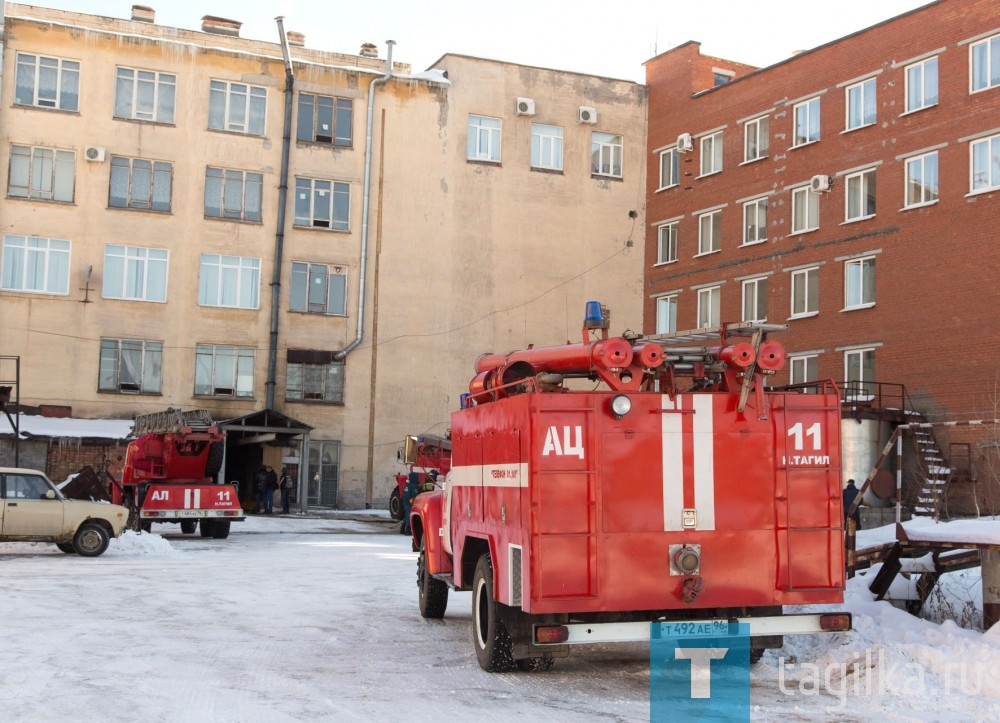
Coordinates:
column 688, row 628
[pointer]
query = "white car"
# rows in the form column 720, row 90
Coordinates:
column 33, row 510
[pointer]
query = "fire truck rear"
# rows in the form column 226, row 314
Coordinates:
column 169, row 474
column 671, row 486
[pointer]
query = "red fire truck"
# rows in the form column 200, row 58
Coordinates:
column 599, row 487
column 420, row 453
column 169, row 474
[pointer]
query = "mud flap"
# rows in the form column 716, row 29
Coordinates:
column 519, row 627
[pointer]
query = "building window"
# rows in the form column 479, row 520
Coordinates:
column 138, row 183
column 145, row 95
column 666, row 247
column 708, row 306
column 46, row 82
column 805, row 210
column 922, row 84
column 755, row 221
column 35, row 264
column 710, row 232
column 666, row 314
column 131, row 366
column 859, row 374
column 805, row 291
column 314, row 376
column 755, row 300
column 546, row 147
column 325, row 119
column 322, row 204
column 606, row 154
column 859, row 283
column 237, row 107
column 985, row 163
column 484, row 139
column 756, row 139
column 860, row 104
column 318, row 289
column 922, row 180
column 135, row 273
column 223, row 371
column 806, row 122
column 233, row 195
column 860, row 195
column 41, row 174
column 803, row 368
column 231, row 281
column 985, row 56
column 711, row 154
column 670, row 168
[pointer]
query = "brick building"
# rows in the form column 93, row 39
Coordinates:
column 851, row 192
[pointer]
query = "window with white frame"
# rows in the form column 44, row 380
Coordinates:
column 140, row 183
column 606, row 154
column 546, row 147
column 860, row 195
column 135, row 273
column 922, row 84
column 803, row 368
column 755, row 221
column 711, row 153
column 39, row 265
column 232, row 194
column 45, row 82
column 666, row 314
column 859, row 374
column 130, row 366
column 806, row 115
column 756, row 139
column 985, row 59
column 41, row 174
column 313, row 376
column 325, row 119
column 859, row 283
column 805, row 210
column 670, row 167
column 710, row 232
column 805, row 291
column 223, row 370
column 484, row 139
column 666, row 243
column 755, row 299
column 922, row 179
column 860, row 104
column 985, row 154
column 231, row 281
column 237, row 107
column 145, row 95
column 318, row 289
column 709, row 300
column 323, row 204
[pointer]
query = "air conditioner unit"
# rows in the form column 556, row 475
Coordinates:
column 685, row 143
column 94, row 153
column 588, row 114
column 524, row 106
column 820, row 183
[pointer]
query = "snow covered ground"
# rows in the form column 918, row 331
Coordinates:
column 297, row 618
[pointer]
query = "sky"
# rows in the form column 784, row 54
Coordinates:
column 607, row 40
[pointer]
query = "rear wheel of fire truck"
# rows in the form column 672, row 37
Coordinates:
column 91, row 540
column 66, row 547
column 395, row 505
column 206, row 528
column 189, row 526
column 756, row 654
column 494, row 648
column 433, row 592
column 220, row 529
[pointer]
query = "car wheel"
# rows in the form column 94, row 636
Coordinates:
column 66, row 547
column 494, row 649
column 91, row 540
column 205, row 528
column 395, row 505
column 220, row 529
column 188, row 526
column 433, row 592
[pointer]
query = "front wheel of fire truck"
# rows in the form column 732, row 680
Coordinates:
column 395, row 505
column 433, row 592
column 91, row 540
column 494, row 649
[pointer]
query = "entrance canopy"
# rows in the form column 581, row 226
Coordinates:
column 263, row 427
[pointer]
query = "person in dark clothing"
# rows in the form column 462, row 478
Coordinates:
column 272, row 487
column 851, row 494
column 285, row 485
column 260, row 489
column 430, row 481
column 411, row 490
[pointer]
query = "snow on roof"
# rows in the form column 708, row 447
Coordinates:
column 982, row 531
column 36, row 426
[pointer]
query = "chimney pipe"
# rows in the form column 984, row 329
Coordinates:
column 143, row 14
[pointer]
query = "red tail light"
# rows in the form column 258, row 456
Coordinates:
column 551, row 634
column 835, row 622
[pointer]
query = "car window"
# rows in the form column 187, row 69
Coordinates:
column 26, row 486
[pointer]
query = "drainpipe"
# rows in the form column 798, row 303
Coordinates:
column 279, row 236
column 342, row 354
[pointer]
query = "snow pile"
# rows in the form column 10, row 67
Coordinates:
column 145, row 543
